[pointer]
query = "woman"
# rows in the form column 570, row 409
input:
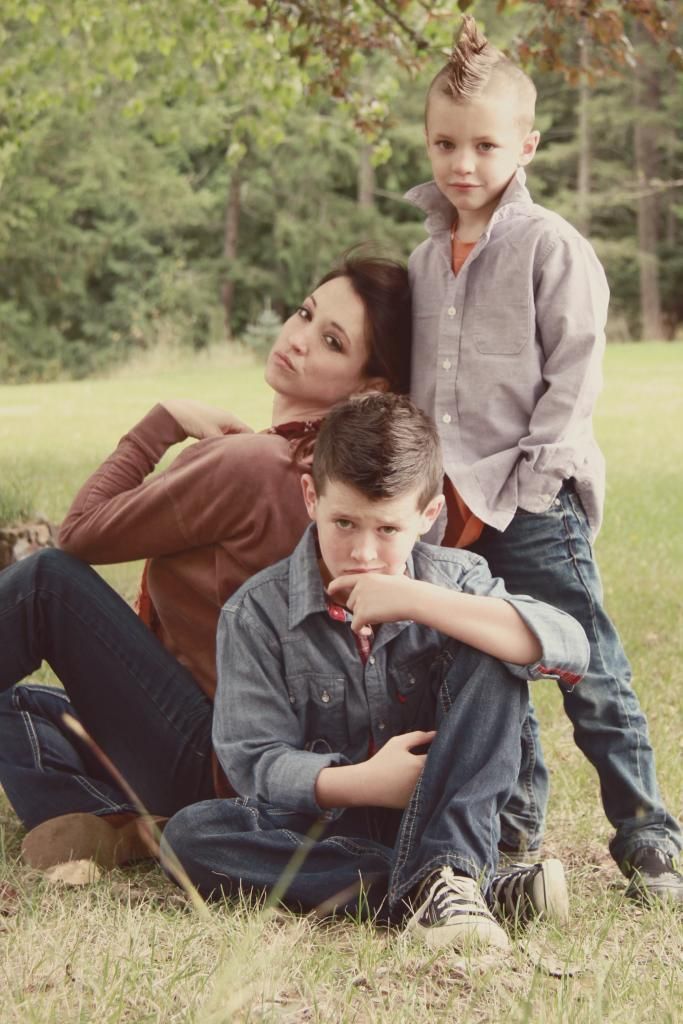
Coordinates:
column 228, row 506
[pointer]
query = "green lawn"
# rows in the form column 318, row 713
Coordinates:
column 120, row 952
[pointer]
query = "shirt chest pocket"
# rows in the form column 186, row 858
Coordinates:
column 319, row 702
column 502, row 329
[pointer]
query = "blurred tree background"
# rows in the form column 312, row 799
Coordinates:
column 176, row 171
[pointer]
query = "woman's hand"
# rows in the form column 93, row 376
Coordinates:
column 199, row 420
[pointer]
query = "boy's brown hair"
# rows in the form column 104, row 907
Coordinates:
column 474, row 66
column 382, row 445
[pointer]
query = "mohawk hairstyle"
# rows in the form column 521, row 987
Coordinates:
column 471, row 62
column 473, row 65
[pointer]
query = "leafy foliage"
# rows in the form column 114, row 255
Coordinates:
column 158, row 158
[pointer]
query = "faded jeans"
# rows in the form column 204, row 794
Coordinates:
column 452, row 818
column 140, row 705
column 549, row 556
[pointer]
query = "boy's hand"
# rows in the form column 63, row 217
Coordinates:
column 374, row 597
column 393, row 771
column 200, row 421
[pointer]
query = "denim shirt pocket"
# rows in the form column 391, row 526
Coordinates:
column 319, row 702
column 501, row 330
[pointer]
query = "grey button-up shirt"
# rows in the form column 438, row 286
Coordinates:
column 507, row 355
column 294, row 695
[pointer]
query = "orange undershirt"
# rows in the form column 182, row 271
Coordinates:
column 462, row 527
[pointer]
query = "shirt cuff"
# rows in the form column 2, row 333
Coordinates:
column 290, row 782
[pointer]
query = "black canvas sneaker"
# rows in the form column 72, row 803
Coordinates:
column 450, row 909
column 523, row 891
column 652, row 875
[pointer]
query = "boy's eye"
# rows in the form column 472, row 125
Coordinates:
column 388, row 531
column 333, row 343
column 486, row 147
column 343, row 524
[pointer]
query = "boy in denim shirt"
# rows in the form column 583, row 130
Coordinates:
column 510, row 304
column 338, row 663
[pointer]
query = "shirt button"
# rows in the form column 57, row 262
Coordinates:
column 325, row 697
column 446, row 418
column 446, row 364
column 452, row 311
column 371, row 660
column 381, row 726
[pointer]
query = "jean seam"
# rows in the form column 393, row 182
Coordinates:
column 595, row 644
column 406, row 831
column 108, row 805
column 454, row 860
column 45, row 588
column 355, row 848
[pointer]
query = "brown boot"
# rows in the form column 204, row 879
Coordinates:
column 109, row 840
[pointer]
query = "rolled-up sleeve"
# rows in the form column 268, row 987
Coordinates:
column 257, row 735
column 565, row 650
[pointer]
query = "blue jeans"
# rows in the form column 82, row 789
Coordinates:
column 140, row 705
column 549, row 556
column 452, row 818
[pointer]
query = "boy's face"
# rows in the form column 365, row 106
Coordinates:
column 358, row 534
column 475, row 149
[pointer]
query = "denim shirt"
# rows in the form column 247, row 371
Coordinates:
column 294, row 696
column 507, row 355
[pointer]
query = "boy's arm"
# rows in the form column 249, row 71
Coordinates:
column 387, row 779
column 571, row 298
column 487, row 623
column 259, row 739
column 257, row 735
column 535, row 639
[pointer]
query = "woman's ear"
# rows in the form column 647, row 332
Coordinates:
column 373, row 384
column 309, row 493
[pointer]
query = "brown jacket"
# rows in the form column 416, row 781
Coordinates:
column 224, row 509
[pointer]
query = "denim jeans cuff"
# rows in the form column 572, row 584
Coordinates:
column 654, row 841
column 460, row 863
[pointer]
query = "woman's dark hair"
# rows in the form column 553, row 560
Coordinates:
column 382, row 286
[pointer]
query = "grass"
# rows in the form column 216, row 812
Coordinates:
column 125, row 950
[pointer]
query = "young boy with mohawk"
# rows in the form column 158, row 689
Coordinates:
column 337, row 664
column 510, row 304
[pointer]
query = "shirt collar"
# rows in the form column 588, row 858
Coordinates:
column 306, row 589
column 294, row 430
column 440, row 212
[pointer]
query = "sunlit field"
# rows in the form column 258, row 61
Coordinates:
column 128, row 949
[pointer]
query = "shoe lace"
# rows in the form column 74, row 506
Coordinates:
column 452, row 891
column 508, row 888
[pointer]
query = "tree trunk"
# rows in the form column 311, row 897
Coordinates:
column 366, row 178
column 230, row 242
column 646, row 165
column 583, row 177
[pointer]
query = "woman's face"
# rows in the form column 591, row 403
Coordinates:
column 321, row 352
